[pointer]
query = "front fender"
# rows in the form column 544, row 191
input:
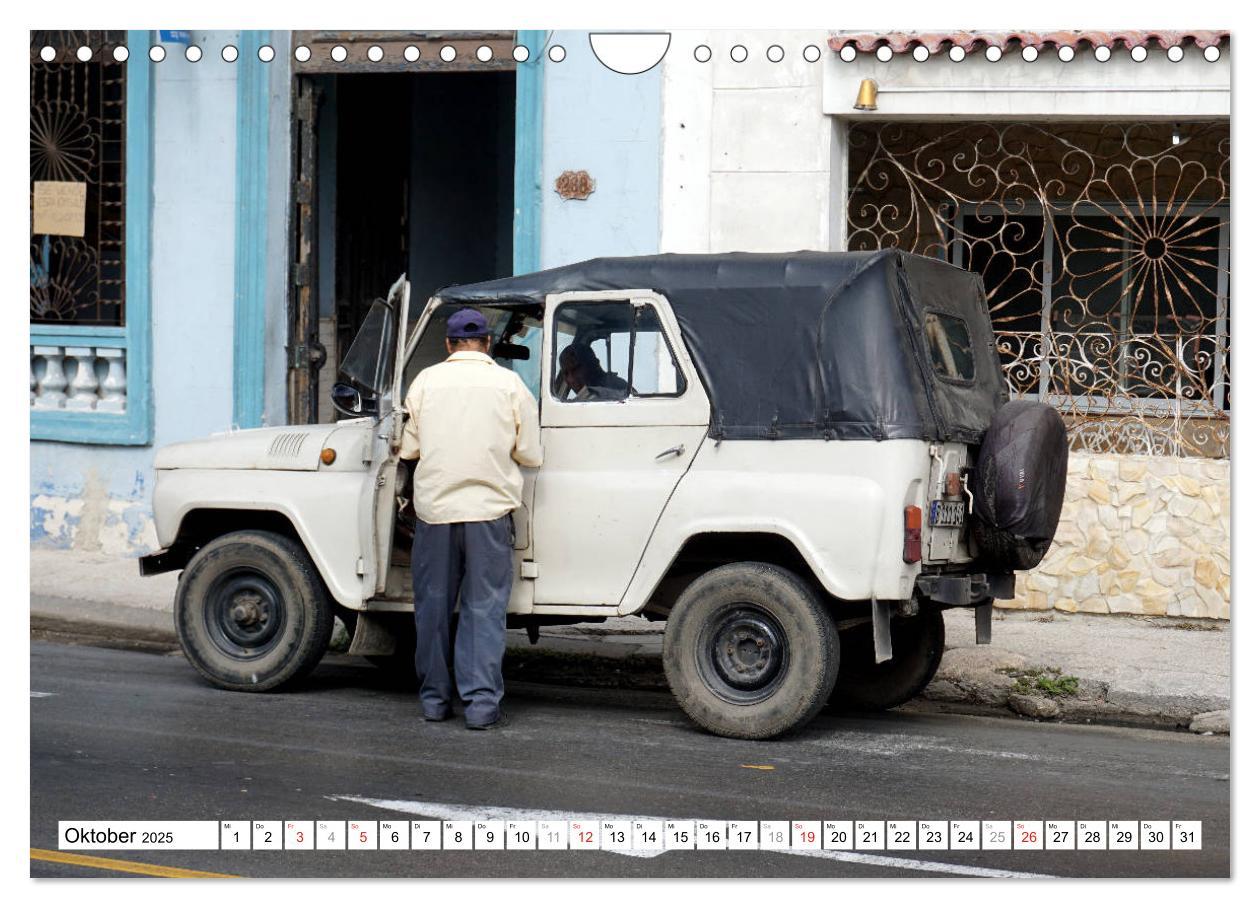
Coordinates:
column 320, row 505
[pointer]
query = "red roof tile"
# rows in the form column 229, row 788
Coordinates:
column 938, row 42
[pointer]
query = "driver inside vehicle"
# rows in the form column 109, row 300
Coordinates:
column 583, row 378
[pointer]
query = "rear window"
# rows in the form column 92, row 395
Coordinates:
column 950, row 344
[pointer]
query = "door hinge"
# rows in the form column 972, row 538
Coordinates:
column 529, row 570
column 358, row 566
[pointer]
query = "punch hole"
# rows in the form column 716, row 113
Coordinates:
column 447, row 53
column 1175, row 53
column 157, row 53
column 920, row 53
column 301, row 53
column 556, row 54
column 338, row 54
column 84, row 54
column 520, row 53
column 1138, row 54
column 703, row 54
column 1066, row 53
column 739, row 53
column 993, row 53
column 230, row 53
column 192, row 53
column 811, row 53
column 47, row 54
column 266, row 53
column 848, row 53
column 411, row 53
column 957, row 54
column 883, row 53
column 1102, row 53
column 375, row 54
column 1211, row 53
column 485, row 54
column 774, row 53
column 121, row 53
column 1030, row 54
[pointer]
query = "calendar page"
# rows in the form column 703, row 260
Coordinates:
column 657, row 448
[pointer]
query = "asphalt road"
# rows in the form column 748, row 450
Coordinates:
column 132, row 735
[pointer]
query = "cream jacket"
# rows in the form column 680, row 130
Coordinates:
column 472, row 424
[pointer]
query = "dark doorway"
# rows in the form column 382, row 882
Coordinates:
column 413, row 172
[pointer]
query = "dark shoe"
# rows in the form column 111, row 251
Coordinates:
column 499, row 721
column 439, row 718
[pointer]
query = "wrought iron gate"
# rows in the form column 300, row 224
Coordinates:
column 1104, row 250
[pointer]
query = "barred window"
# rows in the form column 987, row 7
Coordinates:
column 78, row 146
column 1104, row 250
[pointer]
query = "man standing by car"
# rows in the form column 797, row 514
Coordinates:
column 471, row 425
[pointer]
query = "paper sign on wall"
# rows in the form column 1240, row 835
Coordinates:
column 60, row 208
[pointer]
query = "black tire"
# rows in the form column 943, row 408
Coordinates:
column 1006, row 551
column 251, row 611
column 750, row 651
column 918, row 643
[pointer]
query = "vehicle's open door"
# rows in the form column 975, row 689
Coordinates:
column 376, row 517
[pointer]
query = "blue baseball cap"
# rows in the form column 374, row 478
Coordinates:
column 467, row 323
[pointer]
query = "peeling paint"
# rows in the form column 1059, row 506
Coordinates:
column 112, row 526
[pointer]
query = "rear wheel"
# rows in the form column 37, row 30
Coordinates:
column 918, row 642
column 750, row 651
column 251, row 611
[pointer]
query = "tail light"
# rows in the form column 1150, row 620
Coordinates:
column 912, row 547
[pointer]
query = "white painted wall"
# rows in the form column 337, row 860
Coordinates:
column 1048, row 87
column 747, row 152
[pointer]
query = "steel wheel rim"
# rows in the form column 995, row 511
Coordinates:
column 244, row 612
column 742, row 653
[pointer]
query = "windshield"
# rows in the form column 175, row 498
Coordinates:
column 516, row 341
column 367, row 362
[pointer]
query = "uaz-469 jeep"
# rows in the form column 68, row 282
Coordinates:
column 797, row 461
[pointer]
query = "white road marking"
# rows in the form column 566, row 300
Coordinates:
column 39, row 693
column 478, row 812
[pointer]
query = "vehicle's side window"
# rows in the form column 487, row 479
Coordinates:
column 949, row 343
column 610, row 351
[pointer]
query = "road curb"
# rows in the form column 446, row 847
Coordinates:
column 970, row 679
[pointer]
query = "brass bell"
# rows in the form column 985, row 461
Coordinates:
column 867, row 94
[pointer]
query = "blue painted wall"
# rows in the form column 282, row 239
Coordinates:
column 610, row 126
column 104, row 489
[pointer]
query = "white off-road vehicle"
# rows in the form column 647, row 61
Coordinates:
column 796, row 461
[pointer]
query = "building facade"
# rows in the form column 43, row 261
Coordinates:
column 1083, row 175
column 249, row 193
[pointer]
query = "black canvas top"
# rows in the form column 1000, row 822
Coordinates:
column 805, row 344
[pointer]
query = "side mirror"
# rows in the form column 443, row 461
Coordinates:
column 505, row 350
column 348, row 401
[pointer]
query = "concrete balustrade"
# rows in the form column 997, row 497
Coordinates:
column 78, row 379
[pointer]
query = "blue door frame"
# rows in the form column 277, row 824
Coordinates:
column 527, row 200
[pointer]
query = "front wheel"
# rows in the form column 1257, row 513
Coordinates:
column 251, row 611
column 750, row 651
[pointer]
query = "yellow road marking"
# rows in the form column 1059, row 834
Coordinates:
column 755, row 766
column 87, row 860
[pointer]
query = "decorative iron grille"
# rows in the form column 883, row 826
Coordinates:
column 77, row 135
column 1104, row 250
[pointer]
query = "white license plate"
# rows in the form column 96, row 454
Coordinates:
column 947, row 513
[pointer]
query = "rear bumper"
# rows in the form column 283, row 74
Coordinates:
column 966, row 589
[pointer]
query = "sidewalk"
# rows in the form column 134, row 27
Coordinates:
column 1145, row 671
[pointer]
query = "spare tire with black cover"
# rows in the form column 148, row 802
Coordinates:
column 750, row 651
column 1020, row 477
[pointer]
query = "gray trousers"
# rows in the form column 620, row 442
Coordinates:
column 469, row 563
